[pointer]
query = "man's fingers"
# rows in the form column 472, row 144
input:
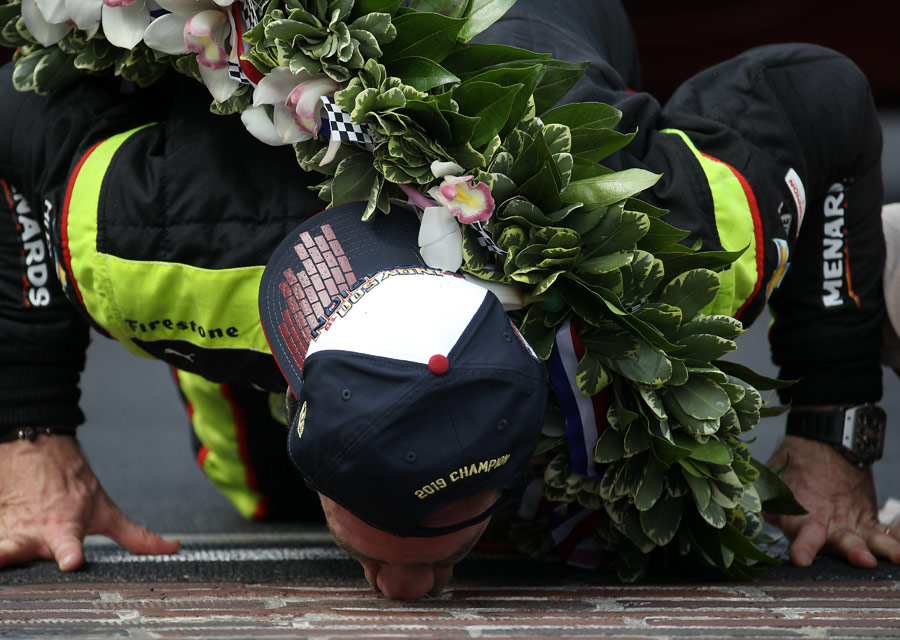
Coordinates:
column 883, row 544
column 851, row 545
column 811, row 537
column 66, row 549
column 136, row 538
column 16, row 551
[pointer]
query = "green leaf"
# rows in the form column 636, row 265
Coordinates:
column 679, row 259
column 474, row 58
column 774, row 411
column 651, row 399
column 735, row 540
column 617, row 231
column 559, row 77
column 667, row 452
column 713, row 514
column 750, row 499
column 691, row 291
column 628, row 480
column 701, row 398
column 597, row 144
column 23, row 74
column 353, row 179
column 610, row 188
column 481, row 15
column 620, row 416
column 646, row 365
column 609, row 340
column 691, row 424
column 651, row 485
column 534, row 157
column 487, row 101
column 637, row 440
column 663, row 316
column 633, row 529
column 584, row 115
column 96, row 56
column 747, row 374
column 660, row 236
column 696, row 469
column 700, row 488
column 606, row 263
column 591, row 376
column 452, row 8
column 661, row 522
column 362, row 7
column 525, row 78
column 594, row 304
column 610, row 447
column 680, row 373
column 426, row 35
column 722, row 326
column 712, row 450
column 752, row 401
column 421, row 73
column 704, row 347
column 775, row 495
column 543, row 188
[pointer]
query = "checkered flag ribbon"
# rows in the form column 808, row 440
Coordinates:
column 343, row 129
column 249, row 19
column 234, row 70
column 485, row 239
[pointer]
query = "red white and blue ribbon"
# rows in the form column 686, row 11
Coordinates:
column 585, row 416
column 572, row 532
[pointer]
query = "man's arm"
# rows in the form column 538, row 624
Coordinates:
column 840, row 499
column 49, row 497
column 48, row 516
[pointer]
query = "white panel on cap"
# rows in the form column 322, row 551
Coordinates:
column 406, row 317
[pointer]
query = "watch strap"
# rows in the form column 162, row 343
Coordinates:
column 824, row 426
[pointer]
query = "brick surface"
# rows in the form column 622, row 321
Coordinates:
column 186, row 610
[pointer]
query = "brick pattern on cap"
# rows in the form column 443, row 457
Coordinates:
column 326, row 271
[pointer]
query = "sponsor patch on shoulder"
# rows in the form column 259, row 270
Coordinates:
column 798, row 191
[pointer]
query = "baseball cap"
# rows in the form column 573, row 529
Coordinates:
column 415, row 388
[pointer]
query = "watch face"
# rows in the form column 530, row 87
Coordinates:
column 868, row 432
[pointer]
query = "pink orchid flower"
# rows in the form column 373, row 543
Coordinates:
column 205, row 34
column 295, row 100
column 467, row 201
column 204, row 27
column 305, row 102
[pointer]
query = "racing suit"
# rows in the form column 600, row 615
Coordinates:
column 145, row 216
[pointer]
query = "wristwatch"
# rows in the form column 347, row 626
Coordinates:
column 857, row 432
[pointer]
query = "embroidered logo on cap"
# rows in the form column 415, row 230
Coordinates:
column 301, row 421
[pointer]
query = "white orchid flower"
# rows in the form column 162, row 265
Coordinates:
column 124, row 21
column 510, row 296
column 46, row 21
column 296, row 104
column 440, row 239
column 203, row 27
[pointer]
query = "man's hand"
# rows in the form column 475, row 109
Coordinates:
column 50, row 500
column 840, row 499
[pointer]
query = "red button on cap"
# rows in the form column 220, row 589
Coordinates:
column 438, row 364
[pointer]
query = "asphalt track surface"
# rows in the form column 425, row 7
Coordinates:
column 245, row 580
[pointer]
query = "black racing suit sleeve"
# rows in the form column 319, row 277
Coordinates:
column 772, row 112
column 42, row 336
